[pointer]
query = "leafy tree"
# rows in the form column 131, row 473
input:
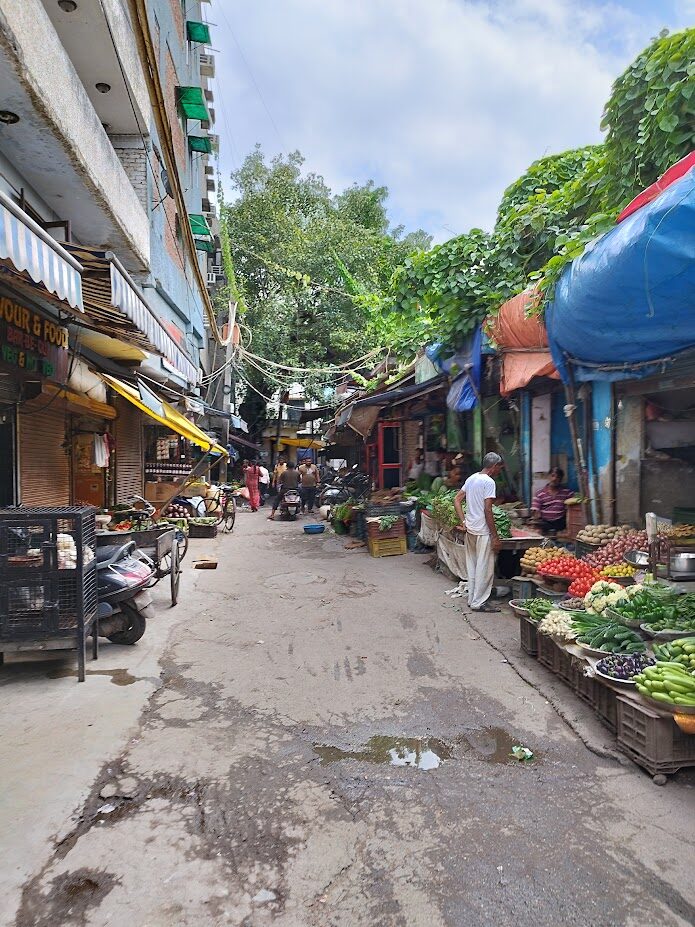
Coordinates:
column 303, row 262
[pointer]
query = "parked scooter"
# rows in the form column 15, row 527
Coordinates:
column 354, row 485
column 291, row 504
column 125, row 603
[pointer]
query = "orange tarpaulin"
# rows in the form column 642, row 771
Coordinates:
column 523, row 342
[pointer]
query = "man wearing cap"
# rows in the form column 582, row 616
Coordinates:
column 482, row 540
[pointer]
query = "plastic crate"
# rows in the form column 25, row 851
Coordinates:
column 528, row 636
column 585, row 687
column 605, row 704
column 374, row 532
column 542, row 592
column 582, row 549
column 566, row 669
column 652, row 740
column 391, row 548
column 202, row 531
column 523, row 587
column 548, row 652
column 377, row 509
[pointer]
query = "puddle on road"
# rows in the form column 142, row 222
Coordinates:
column 491, row 745
column 418, row 752
column 119, row 677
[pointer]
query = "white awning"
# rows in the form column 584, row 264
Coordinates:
column 31, row 249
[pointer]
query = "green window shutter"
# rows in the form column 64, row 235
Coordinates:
column 207, row 245
column 198, row 32
column 199, row 143
column 192, row 103
column 199, row 225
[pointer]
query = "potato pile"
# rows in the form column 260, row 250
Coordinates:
column 601, row 534
column 535, row 555
column 680, row 531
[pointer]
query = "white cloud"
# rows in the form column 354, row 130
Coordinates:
column 445, row 101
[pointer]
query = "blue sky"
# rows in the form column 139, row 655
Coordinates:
column 443, row 101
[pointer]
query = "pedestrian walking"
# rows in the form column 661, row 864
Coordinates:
column 251, row 474
column 309, row 475
column 482, row 540
column 263, row 483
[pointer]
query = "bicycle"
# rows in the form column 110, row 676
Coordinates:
column 222, row 507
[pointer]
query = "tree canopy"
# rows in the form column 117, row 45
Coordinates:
column 562, row 202
column 305, row 263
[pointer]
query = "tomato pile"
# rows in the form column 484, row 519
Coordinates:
column 583, row 576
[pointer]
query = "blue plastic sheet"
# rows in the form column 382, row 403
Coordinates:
column 626, row 308
column 464, row 368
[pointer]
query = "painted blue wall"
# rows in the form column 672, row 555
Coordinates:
column 561, row 438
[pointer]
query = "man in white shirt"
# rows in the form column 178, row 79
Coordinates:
column 263, row 482
column 482, row 540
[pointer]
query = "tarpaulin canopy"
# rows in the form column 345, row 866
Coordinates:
column 192, row 103
column 522, row 341
column 674, row 172
column 464, row 367
column 197, row 32
column 202, row 143
column 626, row 308
column 158, row 409
column 300, row 442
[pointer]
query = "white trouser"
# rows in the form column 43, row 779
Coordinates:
column 480, row 565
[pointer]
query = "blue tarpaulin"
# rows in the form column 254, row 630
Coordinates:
column 464, row 369
column 626, row 307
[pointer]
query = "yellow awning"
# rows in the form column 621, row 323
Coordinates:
column 315, row 443
column 170, row 418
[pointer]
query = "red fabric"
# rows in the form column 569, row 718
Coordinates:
column 674, row 172
column 523, row 342
column 251, row 474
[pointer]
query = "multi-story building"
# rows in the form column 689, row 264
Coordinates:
column 105, row 195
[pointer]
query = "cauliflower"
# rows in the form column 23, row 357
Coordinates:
column 603, row 595
column 557, row 624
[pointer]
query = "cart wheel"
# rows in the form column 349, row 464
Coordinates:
column 182, row 541
column 174, row 574
column 230, row 517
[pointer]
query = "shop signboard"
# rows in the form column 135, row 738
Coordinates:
column 31, row 344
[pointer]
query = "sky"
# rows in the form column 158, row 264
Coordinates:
column 445, row 102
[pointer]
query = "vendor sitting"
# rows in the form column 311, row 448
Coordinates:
column 548, row 505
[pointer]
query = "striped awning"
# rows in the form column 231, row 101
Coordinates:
column 32, row 251
column 117, row 308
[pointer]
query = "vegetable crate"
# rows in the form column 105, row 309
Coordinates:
column 548, row 652
column 374, row 532
column 582, row 549
column 523, row 588
column 605, row 705
column 585, row 687
column 202, row 531
column 575, row 521
column 48, row 579
column 528, row 636
column 652, row 740
column 390, row 548
column 376, row 509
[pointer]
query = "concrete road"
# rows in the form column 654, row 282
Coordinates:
column 314, row 738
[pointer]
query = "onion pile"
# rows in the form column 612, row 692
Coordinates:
column 614, row 551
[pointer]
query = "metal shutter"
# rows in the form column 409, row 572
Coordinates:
column 129, row 451
column 44, row 466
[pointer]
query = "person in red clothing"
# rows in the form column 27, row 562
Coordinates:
column 251, row 475
column 548, row 505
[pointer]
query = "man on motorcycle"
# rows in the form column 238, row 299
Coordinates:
column 289, row 479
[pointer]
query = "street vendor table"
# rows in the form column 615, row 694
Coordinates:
column 520, row 540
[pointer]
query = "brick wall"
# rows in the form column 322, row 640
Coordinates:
column 177, row 16
column 133, row 157
column 171, row 82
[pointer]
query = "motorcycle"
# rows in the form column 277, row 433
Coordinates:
column 291, row 504
column 354, row 485
column 125, row 603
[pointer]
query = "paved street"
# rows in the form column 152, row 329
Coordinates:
column 244, row 765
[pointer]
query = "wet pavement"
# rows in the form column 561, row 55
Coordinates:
column 330, row 742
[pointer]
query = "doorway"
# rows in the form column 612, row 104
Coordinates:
column 8, row 495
